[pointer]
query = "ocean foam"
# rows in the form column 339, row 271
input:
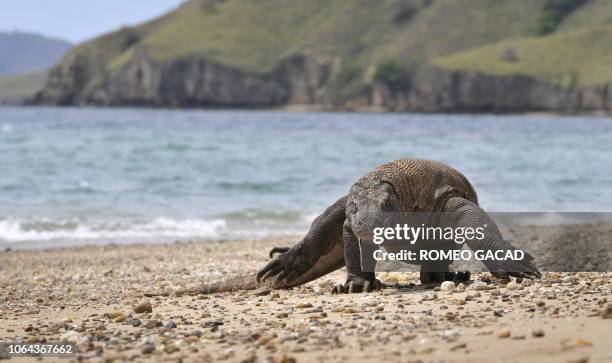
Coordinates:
column 17, row 230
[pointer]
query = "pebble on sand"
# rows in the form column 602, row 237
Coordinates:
column 447, row 286
column 578, row 360
column 583, row 343
column 479, row 286
column 148, row 349
column 607, row 313
column 430, row 296
column 262, row 291
column 504, row 333
column 513, row 285
column 143, row 307
column 283, row 358
column 151, row 324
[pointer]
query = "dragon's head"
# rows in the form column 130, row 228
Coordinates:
column 369, row 207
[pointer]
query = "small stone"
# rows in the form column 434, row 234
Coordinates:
column 70, row 336
column 170, row 325
column 451, row 335
column 143, row 307
column 212, row 324
column 458, row 346
column 152, row 324
column 262, row 291
column 447, row 286
column 578, row 360
column 513, row 285
column 303, row 305
column 170, row 348
column 504, row 333
column 583, row 343
column 196, row 333
column 163, row 330
column 537, row 333
column 250, row 358
column 317, row 290
column 580, row 288
column 607, row 313
column 134, row 322
column 112, row 315
column 148, row 349
column 430, row 296
column 479, row 286
column 283, row 358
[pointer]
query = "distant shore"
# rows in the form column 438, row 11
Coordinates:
column 88, row 295
column 308, row 108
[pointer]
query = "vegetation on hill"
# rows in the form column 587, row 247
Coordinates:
column 393, row 74
column 20, row 87
column 257, row 35
column 580, row 57
column 553, row 13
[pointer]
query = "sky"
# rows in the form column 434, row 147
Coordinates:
column 78, row 20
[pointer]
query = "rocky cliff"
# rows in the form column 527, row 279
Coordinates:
column 302, row 80
column 465, row 91
column 190, row 82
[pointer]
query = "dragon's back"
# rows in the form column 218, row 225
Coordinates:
column 419, row 184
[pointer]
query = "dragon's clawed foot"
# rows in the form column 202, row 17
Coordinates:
column 357, row 284
column 286, row 267
column 280, row 250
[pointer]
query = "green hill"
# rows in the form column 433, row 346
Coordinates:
column 274, row 52
column 581, row 57
column 257, row 35
column 21, row 87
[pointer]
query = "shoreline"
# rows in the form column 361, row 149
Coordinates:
column 308, row 108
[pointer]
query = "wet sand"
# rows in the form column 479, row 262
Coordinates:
column 90, row 295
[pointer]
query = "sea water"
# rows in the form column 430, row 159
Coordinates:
column 72, row 176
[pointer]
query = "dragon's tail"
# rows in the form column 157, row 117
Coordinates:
column 244, row 282
column 248, row 282
column 326, row 264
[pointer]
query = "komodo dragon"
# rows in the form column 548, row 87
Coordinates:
column 338, row 237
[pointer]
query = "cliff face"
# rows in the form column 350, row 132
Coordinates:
column 302, row 80
column 190, row 82
column 463, row 91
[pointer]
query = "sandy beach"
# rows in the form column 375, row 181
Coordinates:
column 90, row 295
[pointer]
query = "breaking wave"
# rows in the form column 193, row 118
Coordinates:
column 40, row 232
